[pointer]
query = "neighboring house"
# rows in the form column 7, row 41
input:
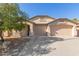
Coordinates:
column 48, row 26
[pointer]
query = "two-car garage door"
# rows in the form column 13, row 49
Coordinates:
column 61, row 30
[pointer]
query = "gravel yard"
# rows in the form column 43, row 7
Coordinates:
column 42, row 46
column 12, row 47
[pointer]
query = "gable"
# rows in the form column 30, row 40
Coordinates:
column 42, row 19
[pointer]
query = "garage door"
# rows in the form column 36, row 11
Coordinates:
column 61, row 30
column 40, row 30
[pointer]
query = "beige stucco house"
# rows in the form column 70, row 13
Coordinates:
column 48, row 26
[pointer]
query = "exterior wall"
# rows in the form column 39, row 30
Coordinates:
column 17, row 34
column 13, row 33
column 5, row 33
column 61, row 30
column 40, row 30
column 25, row 32
column 22, row 33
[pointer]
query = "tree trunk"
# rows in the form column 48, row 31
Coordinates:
column 1, row 36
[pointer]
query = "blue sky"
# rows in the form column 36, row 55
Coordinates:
column 55, row 10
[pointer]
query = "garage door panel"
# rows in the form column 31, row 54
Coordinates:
column 39, row 30
column 64, row 32
column 61, row 31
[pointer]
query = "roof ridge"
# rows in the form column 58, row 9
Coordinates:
column 41, row 16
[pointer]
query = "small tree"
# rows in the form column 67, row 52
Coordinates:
column 11, row 17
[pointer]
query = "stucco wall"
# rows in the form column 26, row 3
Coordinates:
column 17, row 34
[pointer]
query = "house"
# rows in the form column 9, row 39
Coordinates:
column 40, row 26
column 44, row 25
column 48, row 26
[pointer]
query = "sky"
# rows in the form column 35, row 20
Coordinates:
column 55, row 10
